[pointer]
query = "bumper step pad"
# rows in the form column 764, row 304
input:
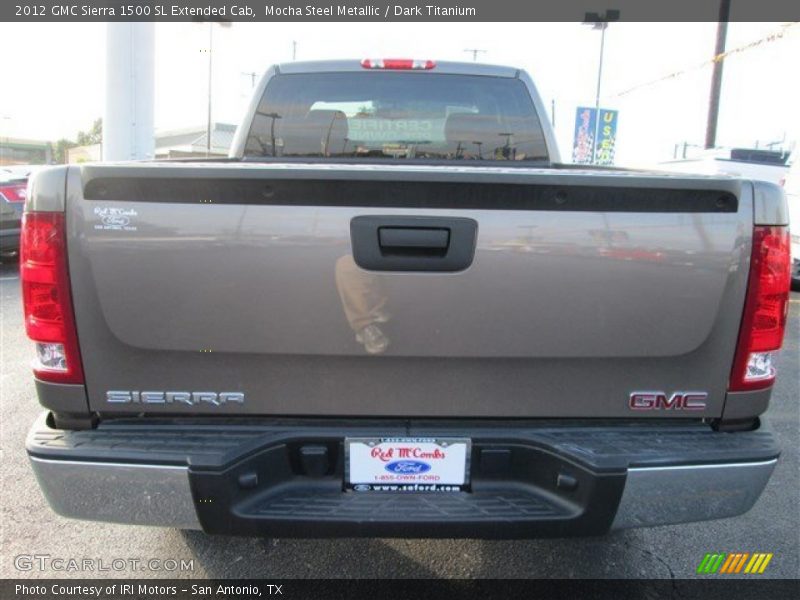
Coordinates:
column 383, row 506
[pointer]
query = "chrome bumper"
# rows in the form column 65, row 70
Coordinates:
column 670, row 495
column 161, row 495
column 118, row 493
column 607, row 478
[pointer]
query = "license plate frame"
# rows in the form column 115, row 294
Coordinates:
column 407, row 464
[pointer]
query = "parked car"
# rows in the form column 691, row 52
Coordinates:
column 12, row 202
column 393, row 312
column 792, row 187
column 747, row 163
column 19, row 171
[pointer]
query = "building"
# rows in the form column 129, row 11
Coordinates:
column 178, row 143
column 19, row 151
column 173, row 143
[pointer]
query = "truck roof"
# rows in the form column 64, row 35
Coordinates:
column 446, row 67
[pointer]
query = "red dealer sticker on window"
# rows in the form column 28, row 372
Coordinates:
column 407, row 464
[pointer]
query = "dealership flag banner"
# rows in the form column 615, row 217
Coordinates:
column 606, row 137
column 593, row 142
column 583, row 142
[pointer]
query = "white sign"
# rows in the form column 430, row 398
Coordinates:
column 415, row 464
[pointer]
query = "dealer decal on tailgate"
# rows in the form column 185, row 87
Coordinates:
column 407, row 464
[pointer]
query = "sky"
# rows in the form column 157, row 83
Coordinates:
column 59, row 71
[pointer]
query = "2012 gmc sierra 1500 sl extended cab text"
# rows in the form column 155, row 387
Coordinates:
column 393, row 312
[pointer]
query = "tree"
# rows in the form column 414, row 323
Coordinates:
column 60, row 150
column 84, row 138
column 93, row 136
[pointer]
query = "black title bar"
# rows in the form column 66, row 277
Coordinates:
column 405, row 589
column 395, row 10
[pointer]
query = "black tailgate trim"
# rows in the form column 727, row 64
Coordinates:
column 409, row 194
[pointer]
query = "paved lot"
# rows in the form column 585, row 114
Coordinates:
column 28, row 526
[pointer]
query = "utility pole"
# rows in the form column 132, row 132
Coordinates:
column 475, row 52
column 716, row 74
column 252, row 76
column 599, row 21
column 294, row 49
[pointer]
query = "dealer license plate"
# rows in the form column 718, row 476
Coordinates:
column 407, row 464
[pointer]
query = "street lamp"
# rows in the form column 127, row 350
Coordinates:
column 221, row 23
column 599, row 21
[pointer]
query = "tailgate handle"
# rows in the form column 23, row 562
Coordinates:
column 401, row 243
column 394, row 239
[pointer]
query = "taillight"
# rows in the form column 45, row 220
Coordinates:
column 765, row 310
column 397, row 64
column 46, row 299
column 13, row 193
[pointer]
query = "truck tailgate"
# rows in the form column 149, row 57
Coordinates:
column 239, row 281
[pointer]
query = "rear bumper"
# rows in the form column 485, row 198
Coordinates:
column 528, row 479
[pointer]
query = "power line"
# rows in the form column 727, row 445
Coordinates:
column 772, row 37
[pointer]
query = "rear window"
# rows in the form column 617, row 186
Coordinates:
column 395, row 115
